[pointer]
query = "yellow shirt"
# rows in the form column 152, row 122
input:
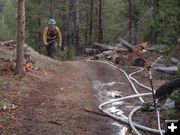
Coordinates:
column 47, row 38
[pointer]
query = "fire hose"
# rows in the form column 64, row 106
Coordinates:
column 129, row 120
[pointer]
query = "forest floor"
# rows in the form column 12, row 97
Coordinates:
column 61, row 99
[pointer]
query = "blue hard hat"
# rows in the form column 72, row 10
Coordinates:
column 51, row 21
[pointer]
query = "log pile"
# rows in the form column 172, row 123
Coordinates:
column 122, row 53
column 171, row 68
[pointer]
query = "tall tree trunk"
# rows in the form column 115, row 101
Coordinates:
column 91, row 22
column 52, row 8
column 130, row 19
column 86, row 29
column 71, row 17
column 100, row 35
column 21, row 37
column 136, row 34
column 77, row 25
column 64, row 22
column 39, row 23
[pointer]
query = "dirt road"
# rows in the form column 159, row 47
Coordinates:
column 60, row 100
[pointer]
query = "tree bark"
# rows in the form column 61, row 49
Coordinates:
column 116, row 58
column 21, row 37
column 39, row 23
column 64, row 22
column 130, row 20
column 169, row 70
column 86, row 29
column 77, row 26
column 91, row 22
column 100, row 35
column 70, row 37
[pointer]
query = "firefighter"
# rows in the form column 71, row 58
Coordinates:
column 52, row 38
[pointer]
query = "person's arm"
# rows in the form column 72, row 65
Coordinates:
column 59, row 36
column 45, row 36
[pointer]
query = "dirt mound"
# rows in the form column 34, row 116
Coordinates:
column 60, row 99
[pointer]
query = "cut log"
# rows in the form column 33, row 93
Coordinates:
column 138, row 61
column 160, row 65
column 116, row 59
column 126, row 44
column 100, row 56
column 169, row 70
column 108, row 53
column 91, row 51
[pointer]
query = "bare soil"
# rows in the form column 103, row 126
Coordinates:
column 54, row 99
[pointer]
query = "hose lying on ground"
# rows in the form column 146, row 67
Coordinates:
column 129, row 121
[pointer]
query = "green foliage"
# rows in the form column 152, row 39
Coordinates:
column 8, row 21
column 177, row 75
column 1, row 84
column 165, row 26
column 114, row 19
column 4, row 34
column 69, row 53
column 175, row 95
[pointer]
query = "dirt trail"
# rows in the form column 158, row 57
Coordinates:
column 55, row 103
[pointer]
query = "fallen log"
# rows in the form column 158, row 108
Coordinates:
column 126, row 44
column 108, row 53
column 159, row 65
column 103, row 47
column 169, row 70
column 100, row 56
column 91, row 51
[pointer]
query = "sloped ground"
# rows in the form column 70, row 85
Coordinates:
column 56, row 99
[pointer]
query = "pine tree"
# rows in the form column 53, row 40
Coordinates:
column 21, row 37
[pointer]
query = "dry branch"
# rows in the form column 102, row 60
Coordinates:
column 93, row 111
